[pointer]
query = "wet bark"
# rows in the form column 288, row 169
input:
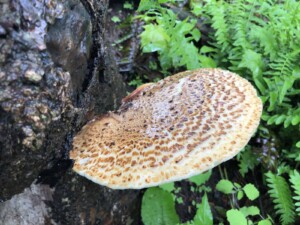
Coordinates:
column 56, row 73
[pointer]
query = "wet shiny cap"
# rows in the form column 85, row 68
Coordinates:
column 171, row 130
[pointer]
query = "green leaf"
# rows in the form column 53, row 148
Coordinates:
column 298, row 144
column 179, row 200
column 188, row 57
column 287, row 84
column 253, row 61
column 196, row 34
column 207, row 62
column 280, row 119
column 295, row 120
column 235, row 217
column 296, row 73
column 250, row 211
column 237, row 185
column 265, row 222
column 147, row 4
column 169, row 187
column 266, row 39
column 273, row 100
column 128, row 5
column 251, row 191
column 158, row 208
column 206, row 49
column 115, row 19
column 201, row 178
column 225, row 186
column 184, row 28
column 203, row 215
column 240, row 195
column 154, row 38
column 197, row 8
column 163, row 1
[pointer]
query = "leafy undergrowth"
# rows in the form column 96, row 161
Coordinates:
column 259, row 40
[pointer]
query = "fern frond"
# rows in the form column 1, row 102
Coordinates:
column 284, row 64
column 217, row 11
column 283, row 14
column 281, row 79
column 295, row 180
column 243, row 11
column 286, row 116
column 282, row 198
column 266, row 40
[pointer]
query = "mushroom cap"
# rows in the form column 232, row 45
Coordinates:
column 176, row 128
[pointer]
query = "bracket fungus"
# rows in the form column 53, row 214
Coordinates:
column 176, row 128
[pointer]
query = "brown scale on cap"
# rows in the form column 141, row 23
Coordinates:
column 174, row 129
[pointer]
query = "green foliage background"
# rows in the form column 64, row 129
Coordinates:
column 259, row 40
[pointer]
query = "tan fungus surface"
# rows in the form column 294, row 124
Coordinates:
column 179, row 127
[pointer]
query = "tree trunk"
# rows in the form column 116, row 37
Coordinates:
column 56, row 73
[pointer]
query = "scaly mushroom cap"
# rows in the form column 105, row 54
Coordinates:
column 179, row 127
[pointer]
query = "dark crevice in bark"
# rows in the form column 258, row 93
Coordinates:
column 95, row 64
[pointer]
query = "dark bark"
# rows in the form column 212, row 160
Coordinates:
column 56, row 73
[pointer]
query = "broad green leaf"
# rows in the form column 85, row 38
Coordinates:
column 225, row 186
column 235, row 217
column 154, row 38
column 253, row 61
column 169, row 187
column 207, row 62
column 265, row 222
column 240, row 195
column 201, row 178
column 251, row 191
column 184, row 27
column 250, row 211
column 298, row 144
column 196, row 34
column 158, row 208
column 203, row 215
column 189, row 57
